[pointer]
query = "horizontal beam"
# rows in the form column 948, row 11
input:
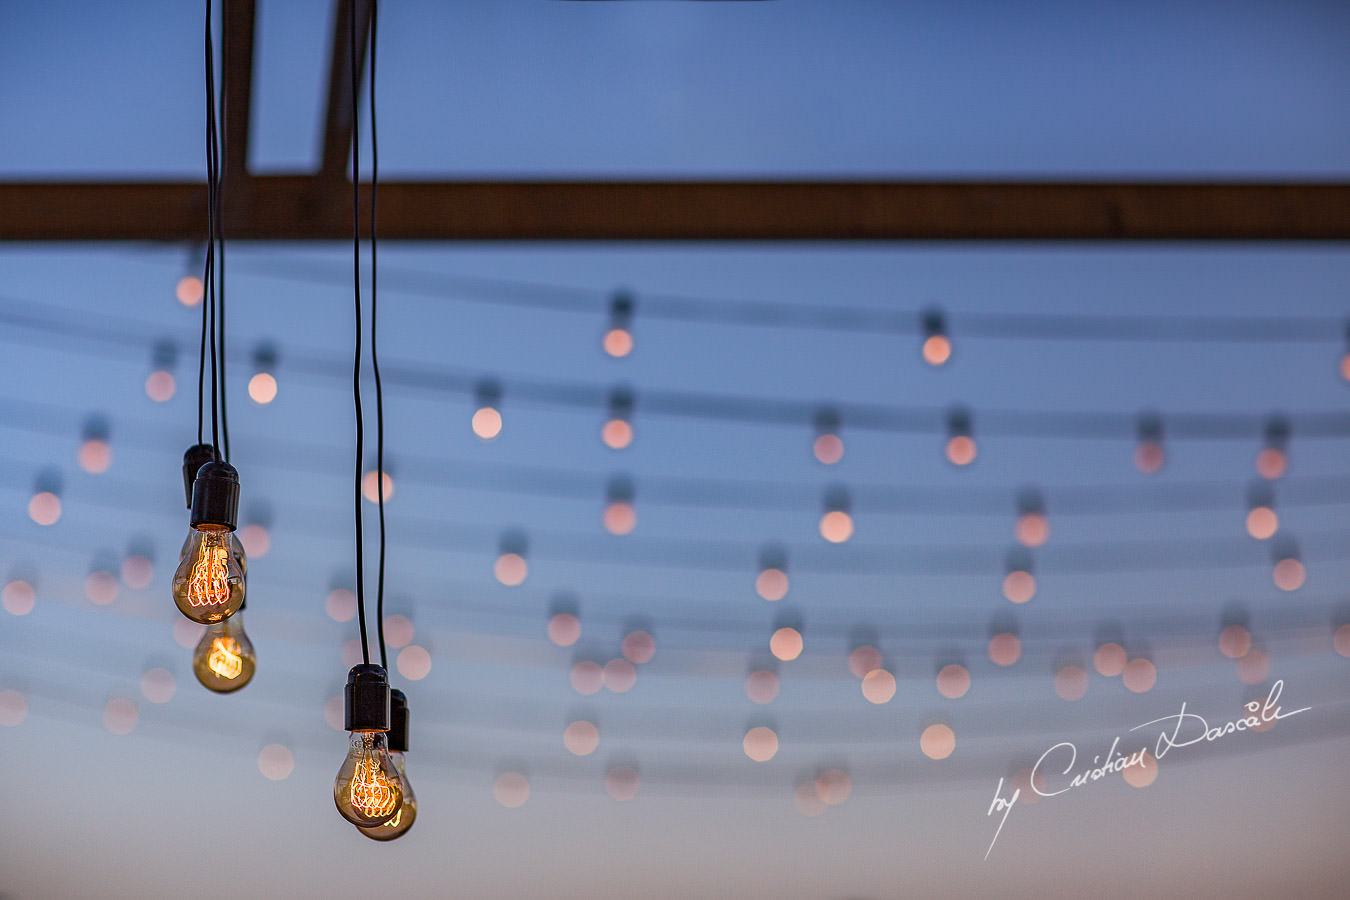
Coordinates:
column 310, row 208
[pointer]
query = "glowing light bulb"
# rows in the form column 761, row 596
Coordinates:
column 209, row 583
column 618, row 339
column 961, row 449
column 406, row 813
column 368, row 789
column 262, row 387
column 224, row 660
column 1273, row 460
column 937, row 347
column 189, row 290
column 829, row 446
column 160, row 385
column 617, row 432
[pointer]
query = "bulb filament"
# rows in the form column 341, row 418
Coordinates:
column 210, row 584
column 225, row 659
column 372, row 793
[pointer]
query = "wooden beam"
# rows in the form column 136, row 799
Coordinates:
column 237, row 93
column 307, row 208
column 337, row 128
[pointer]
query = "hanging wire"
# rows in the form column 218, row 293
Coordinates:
column 356, row 356
column 374, row 324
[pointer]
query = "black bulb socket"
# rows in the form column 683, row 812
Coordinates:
column 398, row 720
column 215, row 497
column 196, row 456
column 367, row 698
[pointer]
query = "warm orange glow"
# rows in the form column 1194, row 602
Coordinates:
column 961, row 450
column 937, row 350
column 210, row 581
column 760, row 743
column 828, row 448
column 1071, row 683
column 836, row 526
column 1005, row 649
column 786, row 644
column 1109, row 659
column 373, row 794
column 160, row 386
column 487, row 423
column 581, row 738
column 564, row 629
column 618, row 342
column 370, row 489
column 1142, row 773
column 937, row 741
column 414, row 662
column 138, row 571
column 276, row 762
column 1019, row 586
column 833, row 786
column 1289, row 574
column 101, row 588
column 761, row 686
column 953, row 681
column 1140, row 675
column 621, row 782
column 617, row 434
column 638, row 647
column 1032, row 530
column 256, row 540
column 398, row 631
column 1235, row 641
column 1149, row 457
column 511, row 789
column 619, row 675
column 587, row 677
column 340, row 604
column 13, row 708
column 226, row 658
column 95, row 456
column 620, row 518
column 44, row 508
column 157, row 685
column 1262, row 522
column 510, row 569
column 1341, row 640
column 805, row 799
column 864, row 659
column 120, row 715
column 772, row 584
column 189, row 290
column 878, row 686
column 1271, row 462
column 1254, row 667
column 262, row 388
column 18, row 598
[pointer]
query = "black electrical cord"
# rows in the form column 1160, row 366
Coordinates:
column 212, row 216
column 374, row 324
column 356, row 359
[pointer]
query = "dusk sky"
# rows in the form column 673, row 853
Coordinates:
column 1056, row 351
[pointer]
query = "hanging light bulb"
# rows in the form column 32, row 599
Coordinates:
column 1262, row 521
column 1019, row 584
column 617, row 432
column 511, row 567
column 1273, row 459
column 961, row 448
column 262, row 387
column 618, row 340
column 190, row 289
column 836, row 524
column 487, row 416
column 772, row 581
column 44, row 507
column 95, row 455
column 564, row 620
column 620, row 514
column 1148, row 453
column 1289, row 573
column 223, row 660
column 160, row 385
column 208, row 585
column 368, row 790
column 828, row 446
column 1033, row 528
column 403, row 819
column 937, row 347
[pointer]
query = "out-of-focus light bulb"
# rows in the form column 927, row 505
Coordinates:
column 1033, row 527
column 864, row 659
column 262, row 387
column 772, row 581
column 1149, row 455
column 223, row 660
column 1273, row 460
column 937, row 347
column 45, row 508
column 828, row 447
column 1109, row 659
column 189, row 290
column 1289, row 574
column 1071, row 682
column 617, row 432
column 638, row 647
column 95, row 454
column 18, row 597
column 1262, row 521
column 836, row 524
column 618, row 339
column 564, row 629
column 760, row 743
column 761, row 686
column 953, row 681
column 160, row 385
column 368, row 789
column 1005, row 648
column 1234, row 641
column 961, row 448
column 878, row 686
column 620, row 516
column 511, row 568
column 370, row 487
column 1019, row 584
column 786, row 643
column 487, row 416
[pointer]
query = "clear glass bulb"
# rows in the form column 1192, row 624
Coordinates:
column 407, row 811
column 209, row 583
column 368, row 789
column 236, row 549
column 224, row 659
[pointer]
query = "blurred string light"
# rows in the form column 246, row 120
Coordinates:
column 786, row 642
column 1005, row 647
column 1262, row 521
column 372, row 484
column 564, row 622
column 938, row 741
column 1288, row 573
column 828, row 447
column 1345, row 357
column 487, row 415
column 1019, row 584
column 836, row 522
column 1273, row 460
column 160, row 384
column 1071, row 681
column 138, row 566
column 937, row 346
column 95, row 453
column 961, row 448
column 1149, row 455
column 18, row 597
column 44, row 506
column 953, row 681
column 511, row 568
column 190, row 290
column 620, row 516
column 760, row 743
column 617, row 432
column 772, row 581
column 581, row 737
column 1032, row 528
column 618, row 339
column 1109, row 659
column 262, row 386
column 761, row 683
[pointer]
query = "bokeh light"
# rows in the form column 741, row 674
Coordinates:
column 1032, row 529
column 587, row 677
column 398, row 630
column 510, row 569
column 760, row 743
column 833, row 786
column 189, row 290
column 262, row 388
column 620, row 517
column 761, row 686
column 953, row 681
column 1289, row 574
column 511, row 789
column 414, row 662
column 160, row 386
column 157, row 685
column 836, row 526
column 487, row 423
column 864, row 659
column 581, row 737
column 335, row 713
column 370, row 488
column 18, row 598
column 1022, row 781
column 1139, row 675
column 621, row 782
column 1071, row 682
column 786, row 644
column 1019, row 586
column 937, row 741
column 120, row 715
column 772, row 584
column 638, row 647
column 44, row 508
column 616, row 434
column 1271, row 463
column 95, row 456
column 351, row 653
column 828, row 449
column 1109, row 659
column 1142, row 773
column 937, row 349
column 618, row 342
column 1254, row 667
column 276, row 762
column 961, row 450
column 1262, row 522
column 1005, row 649
column 564, row 629
column 137, row 572
column 101, row 587
column 1235, row 641
column 1341, row 640
column 340, row 604
column 619, row 675
column 13, row 708
column 878, row 686
column 1149, row 457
